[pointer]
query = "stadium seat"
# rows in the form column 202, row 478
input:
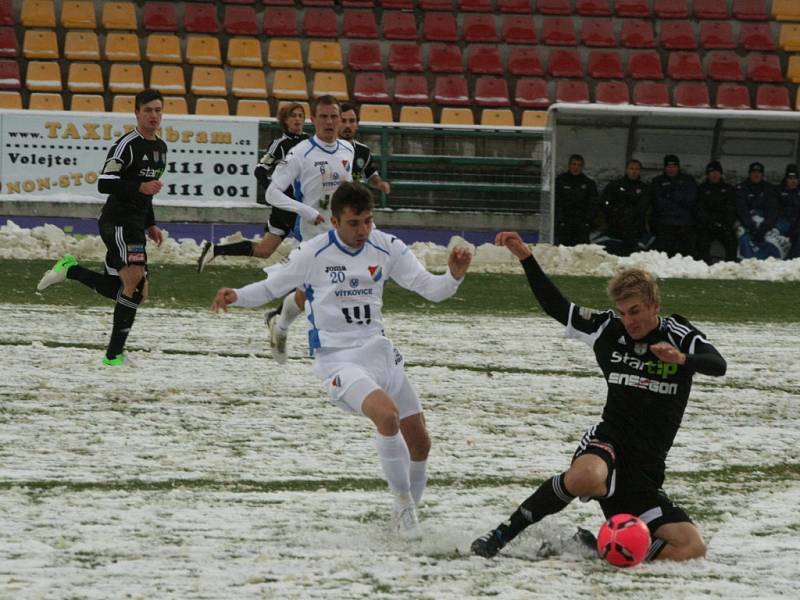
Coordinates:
column 360, row 24
column 411, row 89
column 514, row 6
column 203, row 50
column 87, row 103
column 200, row 18
column 249, row 83
column 593, row 8
column 416, row 114
column 525, row 61
column 81, row 45
column 375, row 113
column 724, row 66
column 43, row 76
column 405, row 57
column 122, row 47
column 435, row 4
column 559, row 31
column 212, row 107
column 638, row 34
column 565, row 63
column 119, row 15
column 280, row 22
column 772, row 97
column 331, row 83
column 365, row 56
column 756, row 36
column 240, row 20
column 484, row 60
column 7, row 13
column 445, row 58
column 252, row 108
column 399, row 26
column 9, row 75
column 456, row 116
column 85, row 78
column 750, row 10
column 175, row 105
column 685, row 65
column 45, row 102
column 208, row 81
column 479, row 28
column 160, row 16
column 245, row 52
column 284, row 54
column 371, row 87
column 612, row 92
column 9, row 48
column 440, row 27
column 393, row 4
column 790, row 37
column 451, row 90
column 290, row 84
column 786, row 10
column 553, row 7
column 518, row 30
column 671, row 9
column 646, row 93
column 12, row 100
column 605, row 64
column 532, row 93
column 632, row 8
column 764, row 67
column 168, row 79
column 358, row 3
column 645, row 64
column 325, row 3
column 692, row 95
column 733, row 95
column 38, row 13
column 163, row 47
column 793, row 70
column 677, row 35
column 122, row 104
column 598, row 33
column 326, row 56
column 320, row 22
column 40, row 44
column 717, row 36
column 534, row 118
column 491, row 92
column 501, row 117
column 475, row 5
column 125, row 78
column 710, row 9
column 78, row 15
column 568, row 90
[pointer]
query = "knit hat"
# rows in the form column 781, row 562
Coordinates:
column 671, row 159
column 756, row 166
column 714, row 165
column 791, row 171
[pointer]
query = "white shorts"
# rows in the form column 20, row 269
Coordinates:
column 350, row 374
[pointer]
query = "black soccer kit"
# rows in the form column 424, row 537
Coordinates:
column 363, row 167
column 281, row 222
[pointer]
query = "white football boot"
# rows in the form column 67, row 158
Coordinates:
column 404, row 517
column 277, row 340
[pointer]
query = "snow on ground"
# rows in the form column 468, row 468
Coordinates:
column 207, row 471
column 49, row 241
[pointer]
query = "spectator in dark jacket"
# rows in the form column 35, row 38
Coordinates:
column 673, row 197
column 788, row 222
column 624, row 205
column 757, row 210
column 576, row 204
column 716, row 214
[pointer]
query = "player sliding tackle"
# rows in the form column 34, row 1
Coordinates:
column 648, row 362
column 342, row 273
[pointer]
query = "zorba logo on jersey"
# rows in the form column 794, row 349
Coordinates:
column 376, row 272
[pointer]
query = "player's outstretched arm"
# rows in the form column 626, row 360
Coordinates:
column 513, row 241
column 224, row 298
column 459, row 261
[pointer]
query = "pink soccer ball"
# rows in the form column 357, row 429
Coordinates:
column 623, row 540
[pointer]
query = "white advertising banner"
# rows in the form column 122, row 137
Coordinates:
column 208, row 159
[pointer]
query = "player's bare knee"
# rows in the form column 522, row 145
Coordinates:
column 420, row 447
column 585, row 480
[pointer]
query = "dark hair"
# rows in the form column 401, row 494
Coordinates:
column 146, row 96
column 355, row 195
column 326, row 100
column 350, row 106
column 287, row 109
column 576, row 157
column 633, row 160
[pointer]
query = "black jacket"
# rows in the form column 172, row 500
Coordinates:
column 624, row 204
column 716, row 205
column 576, row 201
column 672, row 200
column 760, row 197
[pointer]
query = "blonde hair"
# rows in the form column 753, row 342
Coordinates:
column 634, row 282
column 285, row 110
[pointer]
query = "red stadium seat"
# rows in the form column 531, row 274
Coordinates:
column 593, row 8
column 399, row 26
column 559, row 31
column 239, row 1
column 411, row 89
column 280, row 22
column 532, row 93
column 710, row 9
column 360, row 24
column 440, row 27
column 647, row 93
column 7, row 12
column 492, row 92
column 200, row 18
column 756, row 36
column 484, row 60
column 518, row 30
column 685, row 65
column 733, row 95
column 612, row 92
column 364, row 56
column 370, row 87
column 278, row 2
column 9, row 47
column 451, row 90
column 160, row 16
column 750, row 10
column 692, row 95
column 435, row 4
column 445, row 58
column 358, row 4
column 598, row 33
column 9, row 75
column 475, row 6
column 240, row 20
column 724, row 66
column 671, row 9
column 772, row 97
column 717, row 36
column 320, row 22
column 525, row 61
column 645, row 64
column 479, row 28
column 677, row 35
column 565, row 63
column 605, row 64
column 514, row 6
column 764, row 67
column 394, row 4
column 572, row 91
column 317, row 2
column 638, row 34
column 553, row 7
column 632, row 8
column 405, row 57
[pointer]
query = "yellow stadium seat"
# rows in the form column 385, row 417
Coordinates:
column 85, row 78
column 501, row 117
column 306, row 107
column 122, row 47
column 534, row 118
column 211, row 106
column 208, row 81
column 290, row 85
column 81, row 45
column 790, row 37
column 46, row 102
column 123, row 104
column 10, row 100
column 203, row 50
column 793, row 71
column 175, row 106
column 375, row 113
column 252, row 108
column 249, row 83
column 168, row 79
column 284, row 54
column 40, row 44
column 38, row 13
column 119, row 15
column 87, row 103
column 334, row 84
column 43, row 77
column 245, row 52
column 164, row 48
column 78, row 15
column 786, row 10
column 125, row 78
column 456, row 116
column 416, row 114
column 325, row 56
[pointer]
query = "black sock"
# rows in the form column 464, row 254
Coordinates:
column 549, row 498
column 124, row 314
column 102, row 283
column 244, row 248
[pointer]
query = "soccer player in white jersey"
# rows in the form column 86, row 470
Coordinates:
column 343, row 273
column 314, row 169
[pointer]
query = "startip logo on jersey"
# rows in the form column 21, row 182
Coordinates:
column 653, row 367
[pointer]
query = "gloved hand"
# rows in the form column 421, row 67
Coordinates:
column 262, row 174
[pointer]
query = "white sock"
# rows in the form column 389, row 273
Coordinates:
column 418, row 475
column 393, row 454
column 289, row 313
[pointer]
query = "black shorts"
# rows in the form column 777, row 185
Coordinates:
column 281, row 222
column 125, row 245
column 632, row 488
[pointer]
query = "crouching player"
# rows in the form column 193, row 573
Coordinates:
column 342, row 273
column 648, row 362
